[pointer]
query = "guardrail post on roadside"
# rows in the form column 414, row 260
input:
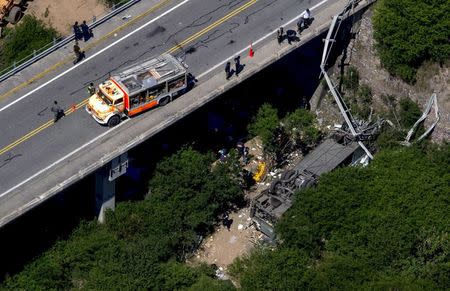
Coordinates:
column 34, row 53
column 54, row 40
column 94, row 19
column 14, row 64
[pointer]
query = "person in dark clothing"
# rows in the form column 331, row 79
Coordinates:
column 77, row 31
column 85, row 30
column 226, row 221
column 280, row 35
column 79, row 55
column 57, row 111
column 91, row 89
column 228, row 70
column 237, row 63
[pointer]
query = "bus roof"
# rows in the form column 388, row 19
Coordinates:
column 149, row 73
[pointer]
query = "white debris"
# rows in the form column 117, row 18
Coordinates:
column 240, row 226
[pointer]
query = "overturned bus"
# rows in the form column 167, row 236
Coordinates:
column 268, row 207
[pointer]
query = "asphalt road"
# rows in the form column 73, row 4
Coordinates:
column 214, row 29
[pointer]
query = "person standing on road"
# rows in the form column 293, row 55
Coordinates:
column 91, row 89
column 85, row 30
column 237, row 64
column 304, row 20
column 228, row 70
column 280, row 35
column 77, row 31
column 79, row 55
column 57, row 111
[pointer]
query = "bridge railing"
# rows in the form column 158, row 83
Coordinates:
column 59, row 42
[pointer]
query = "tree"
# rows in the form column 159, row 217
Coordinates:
column 142, row 242
column 382, row 226
column 264, row 125
column 301, row 127
column 20, row 41
column 408, row 32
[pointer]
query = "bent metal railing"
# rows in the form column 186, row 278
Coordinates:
column 57, row 43
column 329, row 41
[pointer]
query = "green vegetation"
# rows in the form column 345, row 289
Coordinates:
column 409, row 32
column 384, row 226
column 143, row 243
column 281, row 136
column 110, row 3
column 21, row 40
column 357, row 96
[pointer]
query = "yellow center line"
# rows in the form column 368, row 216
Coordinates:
column 211, row 26
column 171, row 50
column 88, row 47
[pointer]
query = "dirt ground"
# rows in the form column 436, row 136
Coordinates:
column 223, row 246
column 431, row 78
column 62, row 14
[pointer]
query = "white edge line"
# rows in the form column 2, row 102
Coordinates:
column 94, row 55
column 257, row 41
column 108, row 131
column 65, row 157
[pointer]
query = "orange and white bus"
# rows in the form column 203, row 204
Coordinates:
column 138, row 88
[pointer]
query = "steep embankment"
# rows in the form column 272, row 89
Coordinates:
column 362, row 55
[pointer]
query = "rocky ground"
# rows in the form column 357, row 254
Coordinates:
column 361, row 54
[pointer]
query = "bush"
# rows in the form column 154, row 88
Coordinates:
column 409, row 112
column 350, row 81
column 384, row 226
column 21, row 40
column 405, row 42
column 142, row 242
column 264, row 125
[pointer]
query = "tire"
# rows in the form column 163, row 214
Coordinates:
column 15, row 14
column 274, row 186
column 288, row 175
column 114, row 120
column 164, row 101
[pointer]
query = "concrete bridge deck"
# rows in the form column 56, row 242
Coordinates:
column 38, row 158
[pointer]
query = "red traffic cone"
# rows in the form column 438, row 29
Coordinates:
column 251, row 52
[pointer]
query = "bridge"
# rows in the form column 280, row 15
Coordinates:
column 40, row 158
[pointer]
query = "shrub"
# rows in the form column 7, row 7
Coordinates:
column 409, row 112
column 264, row 125
column 408, row 32
column 21, row 40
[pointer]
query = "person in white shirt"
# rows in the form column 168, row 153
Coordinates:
column 304, row 20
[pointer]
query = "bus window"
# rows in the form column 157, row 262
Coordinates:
column 177, row 83
column 154, row 91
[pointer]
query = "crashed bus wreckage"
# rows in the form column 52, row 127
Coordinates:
column 138, row 88
column 268, row 207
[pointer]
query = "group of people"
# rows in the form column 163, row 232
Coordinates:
column 303, row 23
column 238, row 68
column 82, row 31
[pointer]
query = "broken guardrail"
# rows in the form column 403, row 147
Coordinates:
column 329, row 41
column 425, row 113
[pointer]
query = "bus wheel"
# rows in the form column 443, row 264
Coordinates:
column 114, row 120
column 164, row 101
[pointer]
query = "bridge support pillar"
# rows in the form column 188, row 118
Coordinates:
column 105, row 185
